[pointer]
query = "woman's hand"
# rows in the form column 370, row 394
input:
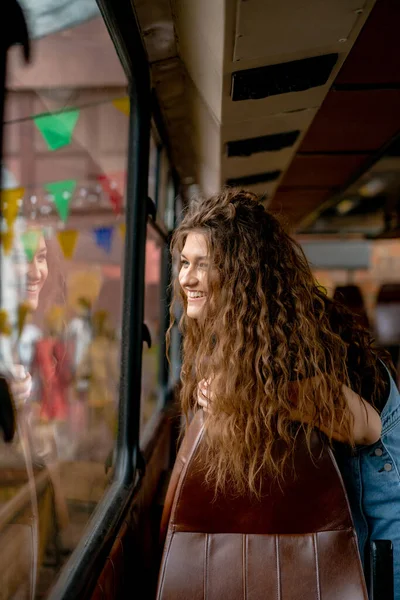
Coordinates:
column 20, row 385
column 204, row 395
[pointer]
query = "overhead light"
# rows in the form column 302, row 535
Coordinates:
column 372, row 188
column 345, row 206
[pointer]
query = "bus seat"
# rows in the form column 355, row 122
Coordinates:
column 297, row 542
column 111, row 581
column 351, row 297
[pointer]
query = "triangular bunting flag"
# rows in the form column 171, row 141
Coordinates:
column 104, row 236
column 122, row 230
column 30, row 241
column 110, row 187
column 123, row 105
column 23, row 310
column 67, row 240
column 57, row 129
column 5, row 328
column 62, row 192
column 6, row 241
column 10, row 200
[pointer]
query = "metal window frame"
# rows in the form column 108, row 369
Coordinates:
column 81, row 571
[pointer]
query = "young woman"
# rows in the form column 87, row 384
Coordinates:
column 34, row 273
column 264, row 348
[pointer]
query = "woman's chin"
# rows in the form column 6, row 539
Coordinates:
column 32, row 301
column 193, row 313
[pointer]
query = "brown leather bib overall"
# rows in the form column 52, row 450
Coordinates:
column 296, row 543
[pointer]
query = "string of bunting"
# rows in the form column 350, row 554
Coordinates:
column 122, row 104
column 57, row 130
column 67, row 239
column 62, row 193
column 103, row 237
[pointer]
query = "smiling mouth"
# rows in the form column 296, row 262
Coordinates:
column 197, row 297
column 32, row 289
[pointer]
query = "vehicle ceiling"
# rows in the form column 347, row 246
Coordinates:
column 338, row 169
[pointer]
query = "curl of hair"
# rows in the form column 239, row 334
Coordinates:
column 266, row 326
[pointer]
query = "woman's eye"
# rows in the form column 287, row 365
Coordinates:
column 203, row 265
column 184, row 263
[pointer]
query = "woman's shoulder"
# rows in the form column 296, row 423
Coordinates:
column 372, row 378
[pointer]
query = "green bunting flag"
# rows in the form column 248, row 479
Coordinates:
column 30, row 241
column 57, row 129
column 62, row 192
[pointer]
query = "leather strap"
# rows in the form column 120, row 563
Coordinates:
column 185, row 451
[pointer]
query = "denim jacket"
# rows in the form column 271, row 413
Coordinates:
column 371, row 475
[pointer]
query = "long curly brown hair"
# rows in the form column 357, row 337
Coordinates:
column 266, row 326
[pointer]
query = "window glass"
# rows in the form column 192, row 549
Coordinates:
column 170, row 208
column 153, row 313
column 163, row 185
column 152, row 189
column 61, row 256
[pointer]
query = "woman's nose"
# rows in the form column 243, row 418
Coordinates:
column 189, row 277
column 33, row 271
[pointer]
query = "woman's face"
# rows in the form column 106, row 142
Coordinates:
column 36, row 273
column 193, row 273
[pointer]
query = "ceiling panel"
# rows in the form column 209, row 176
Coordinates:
column 257, row 162
column 267, row 28
column 282, row 78
column 239, row 166
column 322, row 170
column 375, row 57
column 263, row 189
column 354, row 121
column 296, row 203
column 245, row 110
column 254, row 179
column 267, row 125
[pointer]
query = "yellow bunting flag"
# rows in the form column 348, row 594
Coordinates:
column 23, row 310
column 67, row 240
column 85, row 284
column 10, row 204
column 123, row 105
column 122, row 229
column 6, row 241
column 5, row 328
